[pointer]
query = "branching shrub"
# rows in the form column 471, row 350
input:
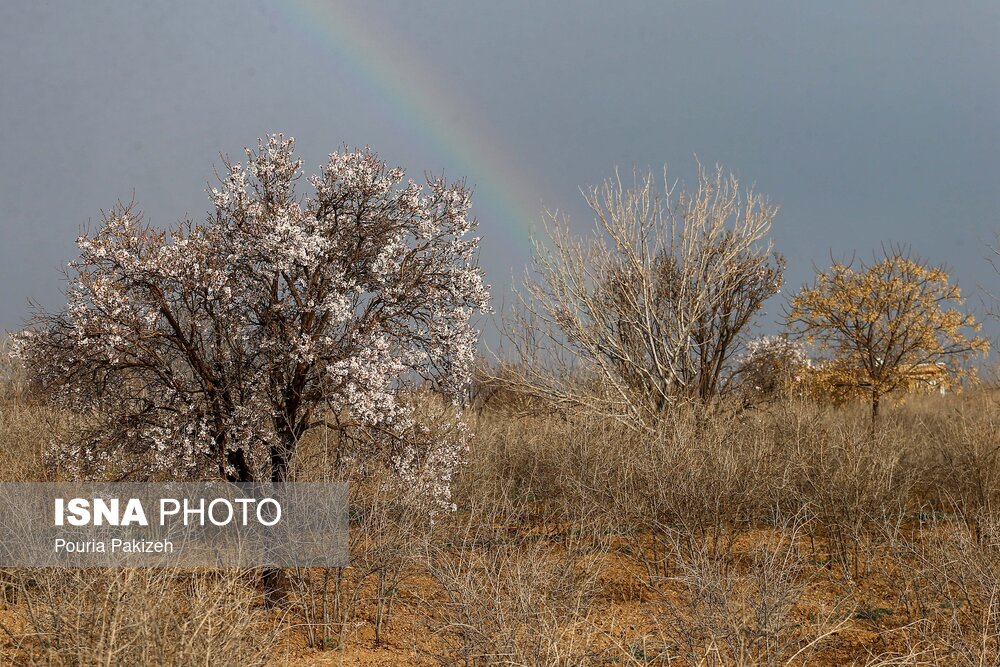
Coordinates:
column 137, row 617
column 651, row 307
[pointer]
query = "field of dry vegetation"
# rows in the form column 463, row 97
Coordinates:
column 645, row 484
column 789, row 533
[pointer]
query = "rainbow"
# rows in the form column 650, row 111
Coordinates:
column 504, row 191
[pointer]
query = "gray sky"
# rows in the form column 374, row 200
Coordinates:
column 868, row 122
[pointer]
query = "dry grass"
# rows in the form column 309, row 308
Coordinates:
column 788, row 534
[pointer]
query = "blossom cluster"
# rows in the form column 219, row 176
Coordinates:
column 771, row 364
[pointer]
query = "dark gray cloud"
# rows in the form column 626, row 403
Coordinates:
column 868, row 122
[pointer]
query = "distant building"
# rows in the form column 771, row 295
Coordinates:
column 929, row 378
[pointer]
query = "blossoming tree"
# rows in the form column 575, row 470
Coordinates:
column 213, row 348
column 772, row 366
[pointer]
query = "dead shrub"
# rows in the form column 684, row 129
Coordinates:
column 137, row 617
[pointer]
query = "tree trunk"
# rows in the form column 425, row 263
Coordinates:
column 276, row 583
column 274, row 580
column 238, row 460
column 876, row 398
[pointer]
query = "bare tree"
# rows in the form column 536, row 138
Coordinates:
column 216, row 347
column 652, row 306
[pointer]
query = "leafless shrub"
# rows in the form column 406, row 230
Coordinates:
column 652, row 306
column 962, row 567
column 389, row 524
column 509, row 598
column 701, row 476
column 855, row 479
column 743, row 613
column 963, row 457
column 137, row 617
column 28, row 426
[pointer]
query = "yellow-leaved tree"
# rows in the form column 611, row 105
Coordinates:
column 884, row 326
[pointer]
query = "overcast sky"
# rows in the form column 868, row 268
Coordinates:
column 869, row 122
